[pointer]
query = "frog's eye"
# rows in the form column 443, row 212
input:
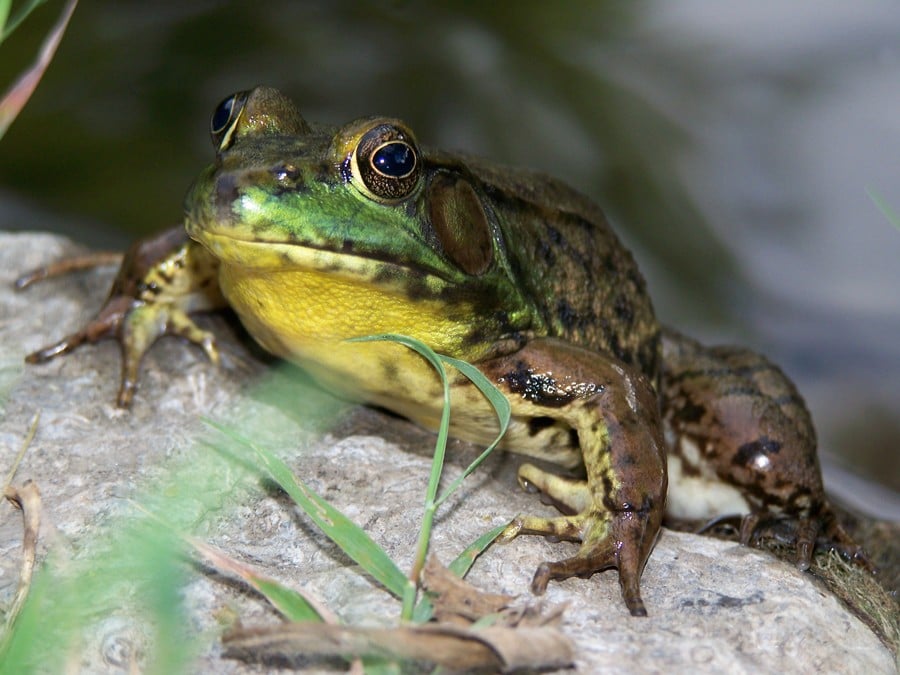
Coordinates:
column 386, row 162
column 396, row 159
column 225, row 118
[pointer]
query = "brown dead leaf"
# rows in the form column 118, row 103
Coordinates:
column 497, row 647
column 456, row 600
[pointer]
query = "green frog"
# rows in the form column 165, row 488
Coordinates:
column 314, row 235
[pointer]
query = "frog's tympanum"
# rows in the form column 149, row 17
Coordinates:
column 314, row 235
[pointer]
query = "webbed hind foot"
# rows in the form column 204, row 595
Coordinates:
column 619, row 539
column 811, row 531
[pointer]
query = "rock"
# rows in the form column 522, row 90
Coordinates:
column 714, row 606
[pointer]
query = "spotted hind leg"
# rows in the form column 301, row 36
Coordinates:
column 616, row 512
column 737, row 422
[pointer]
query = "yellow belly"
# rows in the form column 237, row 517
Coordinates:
column 307, row 316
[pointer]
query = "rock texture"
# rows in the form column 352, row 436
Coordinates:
column 715, row 607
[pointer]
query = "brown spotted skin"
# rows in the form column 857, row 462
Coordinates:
column 753, row 429
column 618, row 507
column 314, row 235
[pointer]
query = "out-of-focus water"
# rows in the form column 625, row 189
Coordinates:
column 732, row 143
column 797, row 122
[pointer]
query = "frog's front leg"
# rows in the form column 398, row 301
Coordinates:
column 614, row 412
column 743, row 443
column 161, row 280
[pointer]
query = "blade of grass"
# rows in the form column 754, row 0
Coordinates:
column 340, row 529
column 884, row 207
column 292, row 604
column 17, row 96
column 437, row 462
column 464, row 561
column 460, row 566
column 6, row 28
column 501, row 407
column 4, row 15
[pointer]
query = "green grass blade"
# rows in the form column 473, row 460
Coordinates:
column 464, row 561
column 293, row 605
column 501, row 407
column 884, row 207
column 289, row 602
column 15, row 98
column 374, row 666
column 437, row 462
column 340, row 529
column 21, row 14
column 4, row 15
column 494, row 395
column 423, row 611
column 437, row 465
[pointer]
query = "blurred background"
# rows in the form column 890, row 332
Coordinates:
column 732, row 144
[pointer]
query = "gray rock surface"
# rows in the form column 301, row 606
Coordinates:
column 715, row 607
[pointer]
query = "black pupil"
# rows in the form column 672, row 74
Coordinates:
column 222, row 115
column 394, row 159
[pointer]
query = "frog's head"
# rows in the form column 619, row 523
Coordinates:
column 360, row 205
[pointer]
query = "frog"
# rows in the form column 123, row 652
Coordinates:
column 316, row 235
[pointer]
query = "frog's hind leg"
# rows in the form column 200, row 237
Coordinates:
column 608, row 539
column 613, row 412
column 741, row 440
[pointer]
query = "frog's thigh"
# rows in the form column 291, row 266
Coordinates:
column 737, row 422
column 734, row 416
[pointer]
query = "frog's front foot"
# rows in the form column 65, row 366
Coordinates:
column 159, row 282
column 136, row 326
column 609, row 538
column 818, row 528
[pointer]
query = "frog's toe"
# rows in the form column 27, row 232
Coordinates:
column 835, row 538
column 64, row 346
column 569, row 493
column 67, row 266
column 105, row 325
column 609, row 539
column 182, row 325
column 567, row 528
column 143, row 326
column 809, row 532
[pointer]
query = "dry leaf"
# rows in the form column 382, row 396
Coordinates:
column 497, row 647
column 456, row 600
column 520, row 638
column 28, row 500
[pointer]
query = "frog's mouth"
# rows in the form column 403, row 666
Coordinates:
column 349, row 265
